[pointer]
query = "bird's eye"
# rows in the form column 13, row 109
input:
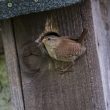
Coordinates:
column 49, row 39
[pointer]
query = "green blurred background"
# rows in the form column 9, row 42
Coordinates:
column 5, row 99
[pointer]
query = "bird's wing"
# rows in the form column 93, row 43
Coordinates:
column 68, row 49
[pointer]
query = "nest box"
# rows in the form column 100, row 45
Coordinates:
column 32, row 85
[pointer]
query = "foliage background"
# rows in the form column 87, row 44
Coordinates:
column 5, row 99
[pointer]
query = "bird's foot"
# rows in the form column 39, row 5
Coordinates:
column 67, row 69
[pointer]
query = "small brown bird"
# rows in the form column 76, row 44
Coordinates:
column 63, row 49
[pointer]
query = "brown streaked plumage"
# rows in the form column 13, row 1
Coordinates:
column 63, row 49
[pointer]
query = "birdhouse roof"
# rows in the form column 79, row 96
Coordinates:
column 12, row 8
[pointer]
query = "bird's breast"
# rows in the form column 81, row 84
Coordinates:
column 51, row 52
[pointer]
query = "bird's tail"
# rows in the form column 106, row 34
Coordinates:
column 83, row 34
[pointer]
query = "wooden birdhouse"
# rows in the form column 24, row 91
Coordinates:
column 33, row 85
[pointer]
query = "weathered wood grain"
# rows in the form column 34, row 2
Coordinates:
column 12, row 65
column 94, row 80
column 101, row 20
column 48, row 90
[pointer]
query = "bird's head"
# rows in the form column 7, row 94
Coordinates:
column 51, row 41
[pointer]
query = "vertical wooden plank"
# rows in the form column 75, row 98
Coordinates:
column 92, row 80
column 12, row 65
column 101, row 20
column 50, row 90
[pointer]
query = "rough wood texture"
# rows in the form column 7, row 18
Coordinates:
column 12, row 66
column 48, row 90
column 101, row 20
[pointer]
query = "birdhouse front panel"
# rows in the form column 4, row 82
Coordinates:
column 39, row 79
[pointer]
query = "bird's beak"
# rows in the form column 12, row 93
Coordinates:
column 37, row 41
column 44, row 40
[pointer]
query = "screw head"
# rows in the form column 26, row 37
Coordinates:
column 36, row 0
column 10, row 5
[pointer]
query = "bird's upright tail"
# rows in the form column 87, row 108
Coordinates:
column 83, row 35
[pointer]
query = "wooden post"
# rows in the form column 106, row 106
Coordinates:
column 12, row 65
column 101, row 21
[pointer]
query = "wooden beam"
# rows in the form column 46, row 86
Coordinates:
column 12, row 65
column 94, row 79
column 101, row 21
